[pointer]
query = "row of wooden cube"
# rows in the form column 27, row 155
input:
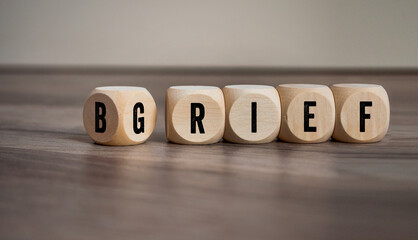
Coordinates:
column 299, row 113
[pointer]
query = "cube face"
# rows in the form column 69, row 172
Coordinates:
column 194, row 114
column 100, row 117
column 120, row 115
column 308, row 113
column 363, row 112
column 197, row 118
column 252, row 113
column 139, row 116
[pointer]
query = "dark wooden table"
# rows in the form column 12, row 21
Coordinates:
column 56, row 184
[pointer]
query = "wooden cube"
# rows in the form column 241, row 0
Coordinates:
column 120, row 115
column 252, row 113
column 308, row 113
column 195, row 114
column 363, row 112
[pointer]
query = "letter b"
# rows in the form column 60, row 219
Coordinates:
column 100, row 113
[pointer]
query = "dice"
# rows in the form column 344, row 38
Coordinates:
column 308, row 113
column 252, row 113
column 247, row 114
column 363, row 112
column 195, row 114
column 120, row 115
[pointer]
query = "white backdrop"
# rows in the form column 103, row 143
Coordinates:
column 277, row 33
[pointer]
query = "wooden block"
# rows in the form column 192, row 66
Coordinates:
column 308, row 113
column 195, row 114
column 120, row 115
column 252, row 113
column 363, row 112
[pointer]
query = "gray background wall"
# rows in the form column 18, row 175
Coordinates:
column 259, row 33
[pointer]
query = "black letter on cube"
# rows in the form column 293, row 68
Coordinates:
column 140, row 120
column 308, row 116
column 100, row 117
column 197, row 119
column 253, row 117
column 363, row 115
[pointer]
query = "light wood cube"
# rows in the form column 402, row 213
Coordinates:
column 252, row 113
column 120, row 115
column 363, row 112
column 195, row 114
column 308, row 113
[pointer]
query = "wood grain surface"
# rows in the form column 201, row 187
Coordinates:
column 56, row 184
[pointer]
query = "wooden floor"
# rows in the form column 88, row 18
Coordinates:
column 56, row 184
